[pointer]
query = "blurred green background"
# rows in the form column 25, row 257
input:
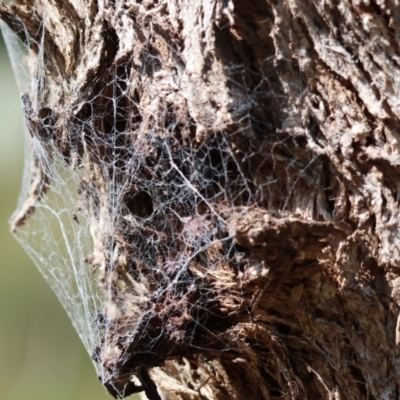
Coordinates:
column 41, row 357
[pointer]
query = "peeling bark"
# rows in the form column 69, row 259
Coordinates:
column 272, row 129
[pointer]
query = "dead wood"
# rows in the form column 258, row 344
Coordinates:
column 269, row 164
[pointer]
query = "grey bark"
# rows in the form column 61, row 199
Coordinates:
column 298, row 104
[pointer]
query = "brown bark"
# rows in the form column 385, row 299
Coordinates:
column 267, row 183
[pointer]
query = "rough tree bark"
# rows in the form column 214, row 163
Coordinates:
column 291, row 109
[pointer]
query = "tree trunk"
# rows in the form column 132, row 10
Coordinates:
column 239, row 165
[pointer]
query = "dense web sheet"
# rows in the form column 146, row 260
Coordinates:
column 46, row 221
column 130, row 203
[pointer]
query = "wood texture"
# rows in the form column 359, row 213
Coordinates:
column 304, row 96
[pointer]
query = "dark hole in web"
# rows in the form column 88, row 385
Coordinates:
column 139, row 204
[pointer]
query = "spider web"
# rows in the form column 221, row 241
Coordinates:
column 128, row 211
column 53, row 237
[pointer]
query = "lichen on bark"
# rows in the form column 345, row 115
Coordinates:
column 242, row 186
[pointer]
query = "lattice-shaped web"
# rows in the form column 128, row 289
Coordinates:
column 129, row 196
